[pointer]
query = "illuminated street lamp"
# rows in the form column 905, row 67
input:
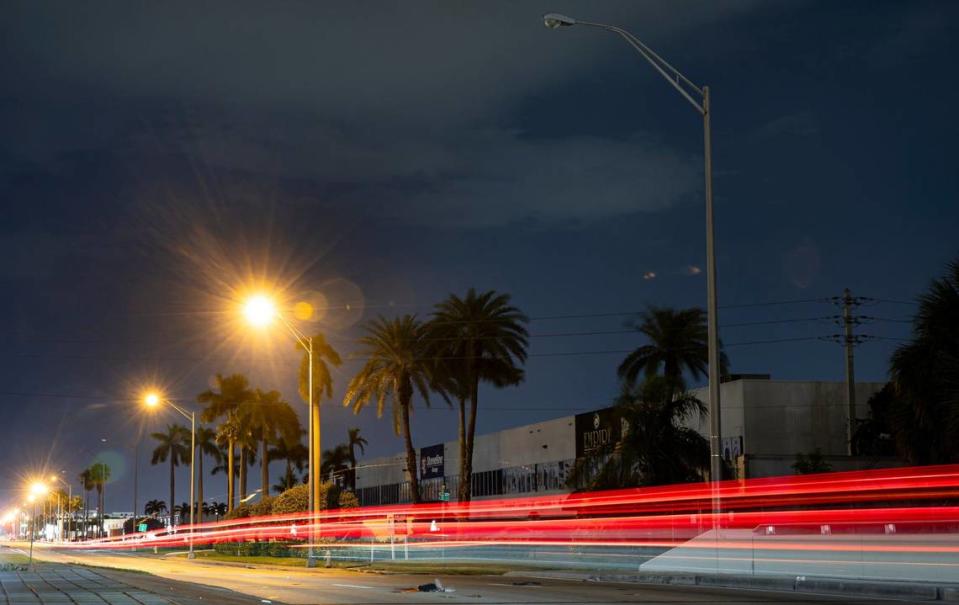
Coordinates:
column 36, row 489
column 153, row 400
column 59, row 479
column 260, row 311
column 698, row 97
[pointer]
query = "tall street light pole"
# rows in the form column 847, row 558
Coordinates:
column 260, row 311
column 37, row 489
column 69, row 485
column 698, row 97
column 152, row 400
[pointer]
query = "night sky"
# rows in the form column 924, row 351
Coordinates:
column 158, row 158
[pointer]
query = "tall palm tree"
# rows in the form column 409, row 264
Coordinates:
column 925, row 372
column 86, row 481
column 173, row 448
column 222, row 402
column 335, row 461
column 677, row 345
column 396, row 367
column 295, row 455
column 100, row 475
column 270, row 419
column 354, row 441
column 478, row 338
column 247, row 444
column 206, row 446
column 324, row 356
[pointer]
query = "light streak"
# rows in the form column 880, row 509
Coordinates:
column 892, row 514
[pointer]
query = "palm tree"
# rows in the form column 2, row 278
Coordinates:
column 247, row 444
column 477, row 338
column 231, row 392
column 270, row 420
column 925, row 373
column 354, row 441
column 657, row 448
column 173, row 448
column 396, row 367
column 335, row 461
column 206, row 446
column 295, row 455
column 677, row 344
column 86, row 481
column 100, row 475
column 154, row 508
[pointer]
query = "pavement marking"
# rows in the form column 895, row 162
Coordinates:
column 514, row 585
column 356, row 586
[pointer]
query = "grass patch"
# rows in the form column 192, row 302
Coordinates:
column 13, row 558
column 257, row 560
column 407, row 567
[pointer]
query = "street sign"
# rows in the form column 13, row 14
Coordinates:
column 142, row 527
column 445, row 497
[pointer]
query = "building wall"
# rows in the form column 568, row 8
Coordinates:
column 767, row 421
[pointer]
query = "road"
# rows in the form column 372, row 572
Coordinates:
column 333, row 586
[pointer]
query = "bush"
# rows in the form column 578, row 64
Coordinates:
column 239, row 512
column 262, row 508
column 297, row 499
column 348, row 500
column 294, row 500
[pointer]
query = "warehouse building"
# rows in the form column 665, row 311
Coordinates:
column 766, row 423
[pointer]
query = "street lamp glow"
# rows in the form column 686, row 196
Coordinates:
column 38, row 488
column 556, row 20
column 151, row 400
column 259, row 310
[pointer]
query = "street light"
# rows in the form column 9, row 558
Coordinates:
column 691, row 92
column 62, row 481
column 153, row 400
column 37, row 489
column 260, row 311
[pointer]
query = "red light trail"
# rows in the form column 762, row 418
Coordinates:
column 902, row 513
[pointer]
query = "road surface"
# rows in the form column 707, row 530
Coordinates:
column 334, row 586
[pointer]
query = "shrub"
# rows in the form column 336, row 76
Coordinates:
column 297, row 499
column 294, row 500
column 262, row 508
column 239, row 512
column 348, row 499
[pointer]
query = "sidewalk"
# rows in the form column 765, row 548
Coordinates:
column 61, row 584
column 51, row 583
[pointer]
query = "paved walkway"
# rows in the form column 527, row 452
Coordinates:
column 62, row 584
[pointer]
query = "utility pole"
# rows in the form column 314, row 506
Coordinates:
column 849, row 341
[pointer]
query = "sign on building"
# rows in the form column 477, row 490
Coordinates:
column 732, row 447
column 431, row 462
column 596, row 431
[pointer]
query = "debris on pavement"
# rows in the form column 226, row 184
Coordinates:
column 434, row 586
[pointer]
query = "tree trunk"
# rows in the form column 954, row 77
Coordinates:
column 199, row 487
column 242, row 473
column 230, row 487
column 172, row 485
column 406, row 396
column 264, row 471
column 467, row 476
column 461, row 493
column 99, row 512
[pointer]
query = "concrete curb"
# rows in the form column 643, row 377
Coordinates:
column 798, row 584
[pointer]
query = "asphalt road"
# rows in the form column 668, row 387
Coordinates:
column 332, row 586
